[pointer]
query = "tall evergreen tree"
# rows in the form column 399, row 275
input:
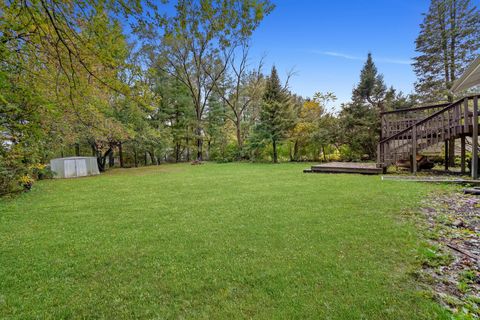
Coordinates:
column 449, row 40
column 277, row 115
column 371, row 88
column 360, row 119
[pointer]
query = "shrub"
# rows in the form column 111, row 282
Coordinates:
column 17, row 176
column 10, row 173
column 26, row 182
column 41, row 171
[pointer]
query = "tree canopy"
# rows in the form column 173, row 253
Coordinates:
column 141, row 83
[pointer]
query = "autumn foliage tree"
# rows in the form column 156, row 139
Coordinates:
column 313, row 127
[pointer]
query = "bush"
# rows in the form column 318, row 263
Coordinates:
column 10, row 173
column 16, row 176
column 41, row 171
column 227, row 154
column 348, row 154
column 26, row 182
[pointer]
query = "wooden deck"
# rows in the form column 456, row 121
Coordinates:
column 345, row 167
column 408, row 132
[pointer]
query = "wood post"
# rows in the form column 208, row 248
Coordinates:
column 475, row 139
column 414, row 150
column 379, row 156
column 462, row 154
column 451, row 152
column 446, row 155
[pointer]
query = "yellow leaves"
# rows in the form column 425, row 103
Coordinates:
column 310, row 116
column 303, row 127
column 37, row 166
column 26, row 181
column 311, row 110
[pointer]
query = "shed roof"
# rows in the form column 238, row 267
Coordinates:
column 470, row 78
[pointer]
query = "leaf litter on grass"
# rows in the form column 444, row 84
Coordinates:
column 451, row 261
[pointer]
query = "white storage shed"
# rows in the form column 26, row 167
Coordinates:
column 73, row 167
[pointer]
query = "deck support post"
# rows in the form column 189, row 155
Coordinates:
column 414, row 150
column 379, row 156
column 451, row 152
column 462, row 154
column 446, row 155
column 475, row 139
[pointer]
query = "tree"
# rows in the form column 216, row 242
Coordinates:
column 240, row 89
column 371, row 88
column 174, row 112
column 449, row 40
column 360, row 119
column 60, row 60
column 198, row 42
column 359, row 129
column 276, row 116
column 313, row 127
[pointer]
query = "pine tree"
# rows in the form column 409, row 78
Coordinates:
column 449, row 40
column 371, row 88
column 360, row 119
column 276, row 116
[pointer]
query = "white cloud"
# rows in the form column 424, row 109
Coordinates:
column 350, row 57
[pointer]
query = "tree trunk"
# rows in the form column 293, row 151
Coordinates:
column 324, row 154
column 453, row 44
column 135, row 158
column 188, row 147
column 101, row 165
column 296, row 148
column 275, row 155
column 153, row 159
column 198, row 132
column 145, row 158
column 209, row 145
column 111, row 160
column 105, row 156
column 120, row 154
column 77, row 149
column 101, row 159
column 177, row 151
column 444, row 45
column 238, row 126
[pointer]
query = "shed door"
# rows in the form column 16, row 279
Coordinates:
column 81, row 167
column 70, row 170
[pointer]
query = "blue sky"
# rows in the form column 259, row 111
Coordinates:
column 326, row 42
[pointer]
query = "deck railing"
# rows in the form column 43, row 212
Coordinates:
column 447, row 121
column 395, row 121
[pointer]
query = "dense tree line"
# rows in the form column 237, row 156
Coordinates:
column 76, row 80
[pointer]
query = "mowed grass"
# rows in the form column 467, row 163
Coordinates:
column 217, row 241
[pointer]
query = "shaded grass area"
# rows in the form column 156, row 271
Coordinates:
column 217, row 241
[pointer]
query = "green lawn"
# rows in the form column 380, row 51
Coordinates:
column 217, row 241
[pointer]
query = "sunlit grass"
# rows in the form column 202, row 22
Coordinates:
column 215, row 241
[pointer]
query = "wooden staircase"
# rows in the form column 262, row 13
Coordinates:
column 407, row 132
